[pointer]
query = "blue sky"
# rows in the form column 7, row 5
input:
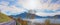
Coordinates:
column 14, row 7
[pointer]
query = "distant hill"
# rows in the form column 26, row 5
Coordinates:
column 23, row 15
column 57, row 16
column 4, row 18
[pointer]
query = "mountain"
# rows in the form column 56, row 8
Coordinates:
column 23, row 15
column 56, row 16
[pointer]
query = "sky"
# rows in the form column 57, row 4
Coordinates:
column 42, row 7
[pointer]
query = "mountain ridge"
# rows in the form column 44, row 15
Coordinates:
column 23, row 15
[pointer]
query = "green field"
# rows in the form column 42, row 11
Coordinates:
column 4, row 18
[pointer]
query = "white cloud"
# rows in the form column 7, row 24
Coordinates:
column 30, row 4
column 13, row 10
column 36, row 4
column 47, row 14
column 4, row 3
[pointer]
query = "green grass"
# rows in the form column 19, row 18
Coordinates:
column 4, row 18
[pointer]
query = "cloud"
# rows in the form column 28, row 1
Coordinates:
column 4, row 3
column 54, row 1
column 13, row 10
column 47, row 14
column 44, row 9
column 10, row 10
column 14, row 7
column 36, row 4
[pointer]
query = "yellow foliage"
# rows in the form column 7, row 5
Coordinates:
column 47, row 22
